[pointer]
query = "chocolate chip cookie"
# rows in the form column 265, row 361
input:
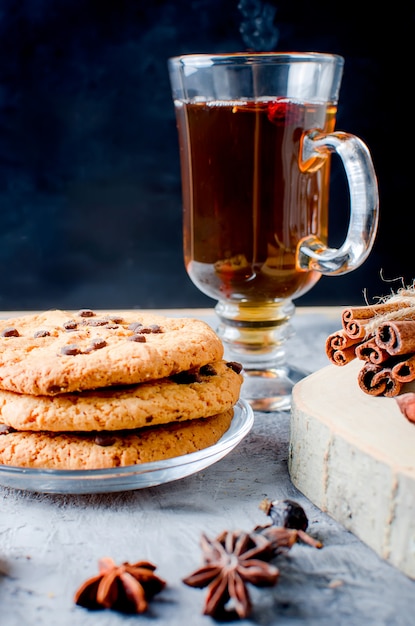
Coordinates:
column 60, row 352
column 188, row 395
column 76, row 451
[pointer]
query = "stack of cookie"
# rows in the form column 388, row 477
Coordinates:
column 92, row 390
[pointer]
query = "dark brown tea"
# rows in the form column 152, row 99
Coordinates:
column 247, row 205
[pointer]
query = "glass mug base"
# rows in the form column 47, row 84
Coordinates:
column 270, row 390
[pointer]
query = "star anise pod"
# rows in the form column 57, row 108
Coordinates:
column 282, row 538
column 231, row 561
column 125, row 588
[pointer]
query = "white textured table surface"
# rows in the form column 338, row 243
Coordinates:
column 49, row 544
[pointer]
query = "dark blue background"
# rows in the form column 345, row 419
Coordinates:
column 90, row 198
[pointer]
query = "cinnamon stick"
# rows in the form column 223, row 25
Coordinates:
column 355, row 319
column 340, row 348
column 404, row 371
column 376, row 380
column 396, row 337
column 370, row 351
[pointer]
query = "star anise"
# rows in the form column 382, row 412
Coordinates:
column 125, row 588
column 282, row 539
column 231, row 561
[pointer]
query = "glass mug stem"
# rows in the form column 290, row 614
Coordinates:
column 255, row 334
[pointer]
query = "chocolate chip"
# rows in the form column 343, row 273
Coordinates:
column 97, row 322
column 70, row 325
column 115, row 318
column 86, row 313
column 185, row 378
column 135, row 326
column 137, row 338
column 208, row 370
column 10, row 332
column 71, row 349
column 5, row 429
column 147, row 330
column 41, row 333
column 54, row 389
column 235, row 366
column 104, row 440
column 96, row 344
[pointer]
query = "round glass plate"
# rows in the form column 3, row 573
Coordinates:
column 132, row 476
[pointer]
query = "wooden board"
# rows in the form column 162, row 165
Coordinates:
column 353, row 456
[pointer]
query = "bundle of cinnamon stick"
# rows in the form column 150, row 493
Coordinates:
column 383, row 337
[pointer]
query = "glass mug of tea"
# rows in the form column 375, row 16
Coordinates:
column 256, row 136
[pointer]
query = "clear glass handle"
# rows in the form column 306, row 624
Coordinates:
column 313, row 254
